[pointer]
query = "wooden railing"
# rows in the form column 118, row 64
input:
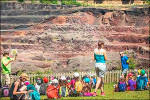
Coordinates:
column 110, row 76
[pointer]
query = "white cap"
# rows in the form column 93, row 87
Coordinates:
column 121, row 76
column 63, row 78
column 55, row 81
column 92, row 75
column 135, row 70
column 50, row 82
column 76, row 74
column 121, row 52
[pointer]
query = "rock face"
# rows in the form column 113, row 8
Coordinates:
column 64, row 39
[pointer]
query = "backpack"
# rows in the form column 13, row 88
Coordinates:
column 141, row 83
column 34, row 95
column 122, row 86
column 78, row 87
column 37, row 87
column 42, row 90
column 63, row 91
column 52, row 92
column 5, row 91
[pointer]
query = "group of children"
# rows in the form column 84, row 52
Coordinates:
column 62, row 87
column 132, row 83
column 72, row 87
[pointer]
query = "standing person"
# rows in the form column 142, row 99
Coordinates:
column 124, row 64
column 6, row 66
column 100, row 66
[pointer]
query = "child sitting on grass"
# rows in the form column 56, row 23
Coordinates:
column 142, row 81
column 44, row 86
column 86, row 89
column 38, row 83
column 52, row 91
column 51, row 79
column 139, row 71
column 121, row 86
column 63, row 90
column 78, row 85
column 68, row 83
column 72, row 82
column 131, row 84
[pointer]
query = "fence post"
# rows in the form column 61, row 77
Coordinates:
column 117, row 76
column 112, row 76
column 120, row 73
column 105, row 77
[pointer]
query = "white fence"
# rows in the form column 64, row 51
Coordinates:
column 110, row 76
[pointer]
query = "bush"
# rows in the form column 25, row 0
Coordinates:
column 49, row 1
column 33, row 1
column 147, row 1
column 132, row 63
column 54, row 1
column 20, row 0
column 70, row 2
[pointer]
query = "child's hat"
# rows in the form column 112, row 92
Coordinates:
column 76, row 74
column 55, row 81
column 130, row 74
column 142, row 71
column 45, row 79
column 63, row 78
column 69, row 81
column 93, row 75
column 27, row 82
column 121, row 52
column 68, row 78
column 24, row 75
column 121, row 77
column 52, row 77
column 87, row 80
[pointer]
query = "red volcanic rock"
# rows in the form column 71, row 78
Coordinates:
column 66, row 43
column 59, row 20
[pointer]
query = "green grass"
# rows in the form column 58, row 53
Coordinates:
column 110, row 94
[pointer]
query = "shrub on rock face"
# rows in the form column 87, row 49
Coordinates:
column 49, row 1
column 132, row 63
column 20, row 0
column 147, row 1
column 54, row 1
column 70, row 2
